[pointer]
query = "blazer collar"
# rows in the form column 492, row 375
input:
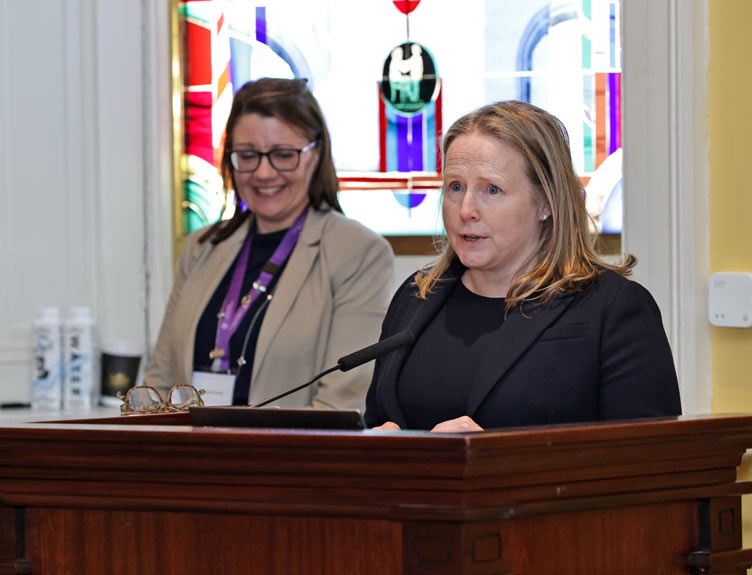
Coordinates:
column 519, row 331
column 425, row 311
column 218, row 261
column 521, row 328
column 435, row 301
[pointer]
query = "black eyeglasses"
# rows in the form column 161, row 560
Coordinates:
column 281, row 159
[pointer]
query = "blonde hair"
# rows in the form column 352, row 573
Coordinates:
column 565, row 260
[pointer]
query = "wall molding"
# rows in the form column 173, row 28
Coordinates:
column 665, row 215
column 158, row 168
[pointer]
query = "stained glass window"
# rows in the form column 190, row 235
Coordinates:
column 362, row 60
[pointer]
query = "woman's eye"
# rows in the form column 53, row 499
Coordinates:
column 493, row 190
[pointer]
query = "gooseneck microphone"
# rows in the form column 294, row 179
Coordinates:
column 376, row 350
column 353, row 360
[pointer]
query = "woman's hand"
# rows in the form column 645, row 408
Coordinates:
column 388, row 426
column 460, row 425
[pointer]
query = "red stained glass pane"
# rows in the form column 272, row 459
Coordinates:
column 406, row 6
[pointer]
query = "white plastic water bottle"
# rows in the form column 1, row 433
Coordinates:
column 46, row 388
column 78, row 358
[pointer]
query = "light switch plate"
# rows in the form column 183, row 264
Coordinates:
column 730, row 299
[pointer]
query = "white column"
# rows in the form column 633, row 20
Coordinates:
column 665, row 187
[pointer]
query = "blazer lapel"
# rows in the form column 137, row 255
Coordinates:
column 517, row 334
column 290, row 283
column 423, row 313
column 218, row 261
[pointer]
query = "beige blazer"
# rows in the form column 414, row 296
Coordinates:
column 329, row 301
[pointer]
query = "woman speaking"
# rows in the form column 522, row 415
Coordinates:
column 519, row 322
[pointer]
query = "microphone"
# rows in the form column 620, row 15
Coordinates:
column 350, row 361
column 375, row 350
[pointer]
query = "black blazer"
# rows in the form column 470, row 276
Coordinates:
column 597, row 354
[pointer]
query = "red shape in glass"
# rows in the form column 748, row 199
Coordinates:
column 406, row 6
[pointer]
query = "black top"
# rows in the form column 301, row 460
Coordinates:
column 262, row 248
column 597, row 354
column 445, row 357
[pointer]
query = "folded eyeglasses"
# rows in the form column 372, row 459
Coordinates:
column 146, row 399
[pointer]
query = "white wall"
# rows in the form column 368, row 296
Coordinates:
column 85, row 164
column 71, row 165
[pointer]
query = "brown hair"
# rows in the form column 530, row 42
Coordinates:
column 293, row 103
column 565, row 260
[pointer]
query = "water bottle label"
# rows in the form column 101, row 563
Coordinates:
column 47, row 367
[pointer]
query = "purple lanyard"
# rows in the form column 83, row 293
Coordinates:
column 230, row 316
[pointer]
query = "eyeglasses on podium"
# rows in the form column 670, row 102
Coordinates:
column 146, row 399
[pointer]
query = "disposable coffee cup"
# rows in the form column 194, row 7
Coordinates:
column 120, row 363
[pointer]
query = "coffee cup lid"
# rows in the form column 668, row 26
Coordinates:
column 123, row 347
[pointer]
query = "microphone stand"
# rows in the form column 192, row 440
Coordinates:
column 294, row 389
column 353, row 360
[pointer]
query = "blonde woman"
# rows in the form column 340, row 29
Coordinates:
column 519, row 322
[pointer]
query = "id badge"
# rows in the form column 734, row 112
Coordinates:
column 218, row 387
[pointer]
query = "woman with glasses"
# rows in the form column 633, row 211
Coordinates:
column 288, row 285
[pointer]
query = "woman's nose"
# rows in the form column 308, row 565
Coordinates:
column 469, row 207
column 265, row 169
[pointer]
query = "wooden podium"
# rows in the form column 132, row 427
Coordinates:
column 152, row 494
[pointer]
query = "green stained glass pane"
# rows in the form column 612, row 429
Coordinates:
column 201, row 11
column 587, row 134
column 586, row 42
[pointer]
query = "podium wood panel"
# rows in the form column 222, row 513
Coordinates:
column 152, row 494
column 177, row 543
